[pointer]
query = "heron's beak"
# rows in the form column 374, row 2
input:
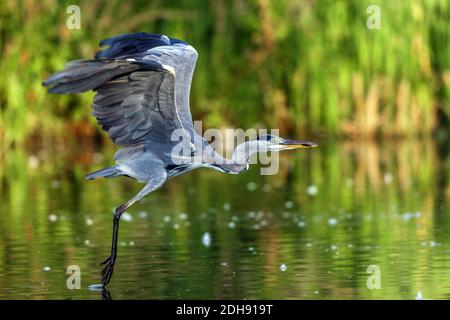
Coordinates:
column 296, row 144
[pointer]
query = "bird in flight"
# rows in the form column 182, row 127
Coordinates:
column 142, row 83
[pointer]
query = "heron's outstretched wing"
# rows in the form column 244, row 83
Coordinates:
column 167, row 51
column 142, row 83
column 135, row 102
column 138, row 107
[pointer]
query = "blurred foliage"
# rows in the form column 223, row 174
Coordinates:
column 301, row 66
column 306, row 67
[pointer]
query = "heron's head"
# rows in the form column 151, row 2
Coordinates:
column 272, row 142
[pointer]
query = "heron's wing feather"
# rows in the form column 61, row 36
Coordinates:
column 135, row 102
column 174, row 53
column 138, row 107
column 84, row 75
column 133, row 43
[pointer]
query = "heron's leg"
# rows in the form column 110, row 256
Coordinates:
column 108, row 268
column 152, row 185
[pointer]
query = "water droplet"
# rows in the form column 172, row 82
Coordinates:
column 407, row 216
column 434, row 244
column 46, row 268
column 183, row 216
column 332, row 221
column 251, row 186
column 89, row 222
column 53, row 218
column 87, row 242
column 283, row 267
column 312, row 190
column 206, row 239
column 419, row 296
column 301, row 224
column 231, row 225
column 289, row 204
column 126, row 217
column 143, row 214
column 166, row 219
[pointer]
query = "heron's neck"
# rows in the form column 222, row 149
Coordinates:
column 238, row 163
column 243, row 152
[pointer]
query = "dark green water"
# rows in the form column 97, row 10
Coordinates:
column 328, row 215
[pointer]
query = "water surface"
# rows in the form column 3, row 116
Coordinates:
column 309, row 232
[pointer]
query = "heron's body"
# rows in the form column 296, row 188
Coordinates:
column 143, row 83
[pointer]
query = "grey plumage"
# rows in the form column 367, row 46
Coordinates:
column 142, row 83
column 138, row 100
column 104, row 173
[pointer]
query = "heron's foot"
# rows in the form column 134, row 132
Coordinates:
column 106, row 295
column 107, row 271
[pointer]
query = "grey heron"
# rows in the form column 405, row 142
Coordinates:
column 142, row 83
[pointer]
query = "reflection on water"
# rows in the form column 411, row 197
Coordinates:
column 311, row 231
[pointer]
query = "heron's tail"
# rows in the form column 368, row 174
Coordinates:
column 104, row 173
column 83, row 75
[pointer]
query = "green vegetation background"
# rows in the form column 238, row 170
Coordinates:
column 306, row 67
